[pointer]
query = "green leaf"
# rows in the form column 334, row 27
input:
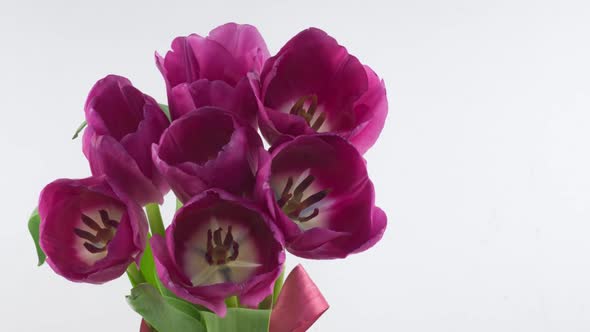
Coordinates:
column 184, row 306
column 178, row 204
column 79, row 130
column 160, row 313
column 166, row 111
column 173, row 299
column 237, row 320
column 34, row 222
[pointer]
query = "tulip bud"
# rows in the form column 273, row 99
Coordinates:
column 123, row 123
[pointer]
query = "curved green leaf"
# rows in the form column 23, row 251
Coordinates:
column 34, row 222
column 237, row 320
column 186, row 307
column 160, row 313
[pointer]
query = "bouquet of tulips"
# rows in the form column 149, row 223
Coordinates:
column 219, row 264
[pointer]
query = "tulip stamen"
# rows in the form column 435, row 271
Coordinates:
column 293, row 203
column 94, row 249
column 221, row 252
column 309, row 113
column 99, row 241
column 286, row 195
column 319, row 122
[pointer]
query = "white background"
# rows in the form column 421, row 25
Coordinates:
column 483, row 167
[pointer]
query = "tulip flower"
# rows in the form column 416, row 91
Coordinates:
column 88, row 232
column 227, row 54
column 123, row 123
column 218, row 246
column 312, row 85
column 318, row 191
column 208, row 148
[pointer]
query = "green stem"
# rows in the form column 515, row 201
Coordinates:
column 232, row 302
column 278, row 286
column 155, row 219
column 134, row 275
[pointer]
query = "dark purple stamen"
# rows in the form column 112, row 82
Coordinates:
column 293, row 204
column 221, row 252
column 103, row 235
column 308, row 114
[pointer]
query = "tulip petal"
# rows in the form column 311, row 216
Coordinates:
column 239, row 99
column 371, row 112
column 110, row 158
column 244, row 42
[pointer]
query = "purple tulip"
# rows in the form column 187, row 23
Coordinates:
column 208, row 148
column 123, row 123
column 239, row 99
column 89, row 233
column 314, row 86
column 227, row 54
column 218, row 246
column 318, row 191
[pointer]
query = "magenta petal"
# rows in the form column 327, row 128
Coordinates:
column 110, row 158
column 180, row 64
column 299, row 305
column 317, row 243
column 239, row 100
column 371, row 110
column 377, row 229
column 261, row 286
column 244, row 42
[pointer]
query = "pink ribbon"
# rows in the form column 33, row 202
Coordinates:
column 299, row 305
column 144, row 327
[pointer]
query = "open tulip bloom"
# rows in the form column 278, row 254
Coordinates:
column 219, row 264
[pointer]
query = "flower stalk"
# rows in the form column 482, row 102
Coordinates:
column 134, row 274
column 155, row 219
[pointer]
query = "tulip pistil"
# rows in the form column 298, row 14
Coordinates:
column 293, row 203
column 221, row 252
column 309, row 113
column 102, row 236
